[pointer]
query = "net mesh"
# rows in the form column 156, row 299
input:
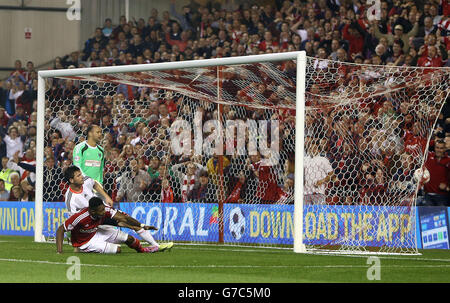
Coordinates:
column 367, row 130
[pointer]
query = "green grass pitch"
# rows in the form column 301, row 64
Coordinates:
column 22, row 260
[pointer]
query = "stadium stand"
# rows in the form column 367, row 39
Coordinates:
column 407, row 35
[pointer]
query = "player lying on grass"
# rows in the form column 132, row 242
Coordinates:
column 80, row 192
column 87, row 236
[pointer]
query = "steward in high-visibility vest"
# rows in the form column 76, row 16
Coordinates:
column 5, row 175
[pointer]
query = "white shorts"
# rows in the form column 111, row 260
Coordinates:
column 105, row 241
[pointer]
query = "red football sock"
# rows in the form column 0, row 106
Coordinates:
column 136, row 245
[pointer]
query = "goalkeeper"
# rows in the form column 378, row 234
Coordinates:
column 89, row 156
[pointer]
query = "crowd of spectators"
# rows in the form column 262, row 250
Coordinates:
column 136, row 120
column 18, row 117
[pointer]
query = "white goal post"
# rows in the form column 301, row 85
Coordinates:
column 300, row 57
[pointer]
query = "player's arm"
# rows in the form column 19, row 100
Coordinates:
column 98, row 187
column 127, row 221
column 60, row 239
column 68, row 225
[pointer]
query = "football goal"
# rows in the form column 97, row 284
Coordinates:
column 274, row 150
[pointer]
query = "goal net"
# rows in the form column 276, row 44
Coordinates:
column 207, row 152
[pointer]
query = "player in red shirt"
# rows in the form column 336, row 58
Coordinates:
column 87, row 236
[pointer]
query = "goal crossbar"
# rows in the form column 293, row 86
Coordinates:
column 172, row 65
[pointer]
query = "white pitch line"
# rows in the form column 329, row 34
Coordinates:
column 219, row 266
column 289, row 251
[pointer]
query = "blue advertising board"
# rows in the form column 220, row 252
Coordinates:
column 330, row 225
column 434, row 227
column 180, row 222
column 177, row 221
column 17, row 218
column 263, row 224
column 372, row 226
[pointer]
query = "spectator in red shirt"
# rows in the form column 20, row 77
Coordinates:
column 415, row 143
column 437, row 190
column 3, row 117
column 266, row 191
column 18, row 68
column 354, row 38
column 374, row 188
column 28, row 73
column 167, row 192
column 238, row 189
column 268, row 41
column 432, row 60
column 181, row 43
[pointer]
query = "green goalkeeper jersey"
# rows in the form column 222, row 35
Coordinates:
column 91, row 160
